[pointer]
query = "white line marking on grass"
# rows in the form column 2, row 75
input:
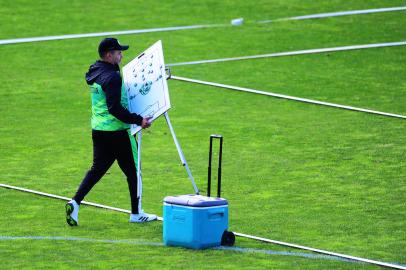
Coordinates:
column 396, row 266
column 336, row 14
column 114, row 33
column 289, row 53
column 242, row 89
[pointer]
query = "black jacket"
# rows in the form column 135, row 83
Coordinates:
column 108, row 77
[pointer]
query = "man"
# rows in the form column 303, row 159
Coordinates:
column 111, row 136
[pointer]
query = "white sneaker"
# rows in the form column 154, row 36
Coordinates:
column 72, row 212
column 142, row 217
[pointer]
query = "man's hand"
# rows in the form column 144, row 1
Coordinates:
column 146, row 122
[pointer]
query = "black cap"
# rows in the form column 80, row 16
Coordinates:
column 111, row 44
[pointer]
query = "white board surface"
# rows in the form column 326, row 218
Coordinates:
column 145, row 82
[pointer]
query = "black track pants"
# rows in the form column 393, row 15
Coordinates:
column 109, row 146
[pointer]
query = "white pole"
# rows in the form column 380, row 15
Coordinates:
column 139, row 175
column 63, row 198
column 115, row 33
column 349, row 257
column 335, row 14
column 243, row 89
column 182, row 157
column 310, row 51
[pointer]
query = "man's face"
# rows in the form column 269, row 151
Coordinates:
column 115, row 57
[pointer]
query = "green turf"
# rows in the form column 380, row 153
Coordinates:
column 316, row 176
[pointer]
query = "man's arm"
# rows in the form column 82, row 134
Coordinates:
column 112, row 88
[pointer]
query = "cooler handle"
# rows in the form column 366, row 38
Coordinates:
column 219, row 168
column 214, row 214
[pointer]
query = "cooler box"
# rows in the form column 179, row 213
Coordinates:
column 194, row 221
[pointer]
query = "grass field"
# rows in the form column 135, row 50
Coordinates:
column 306, row 174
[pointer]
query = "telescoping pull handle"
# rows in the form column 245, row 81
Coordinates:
column 214, row 136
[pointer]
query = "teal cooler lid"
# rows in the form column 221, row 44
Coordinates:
column 195, row 200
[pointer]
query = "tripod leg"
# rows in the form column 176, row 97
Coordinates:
column 181, row 156
column 139, row 175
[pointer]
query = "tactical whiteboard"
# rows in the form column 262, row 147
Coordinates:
column 146, row 86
